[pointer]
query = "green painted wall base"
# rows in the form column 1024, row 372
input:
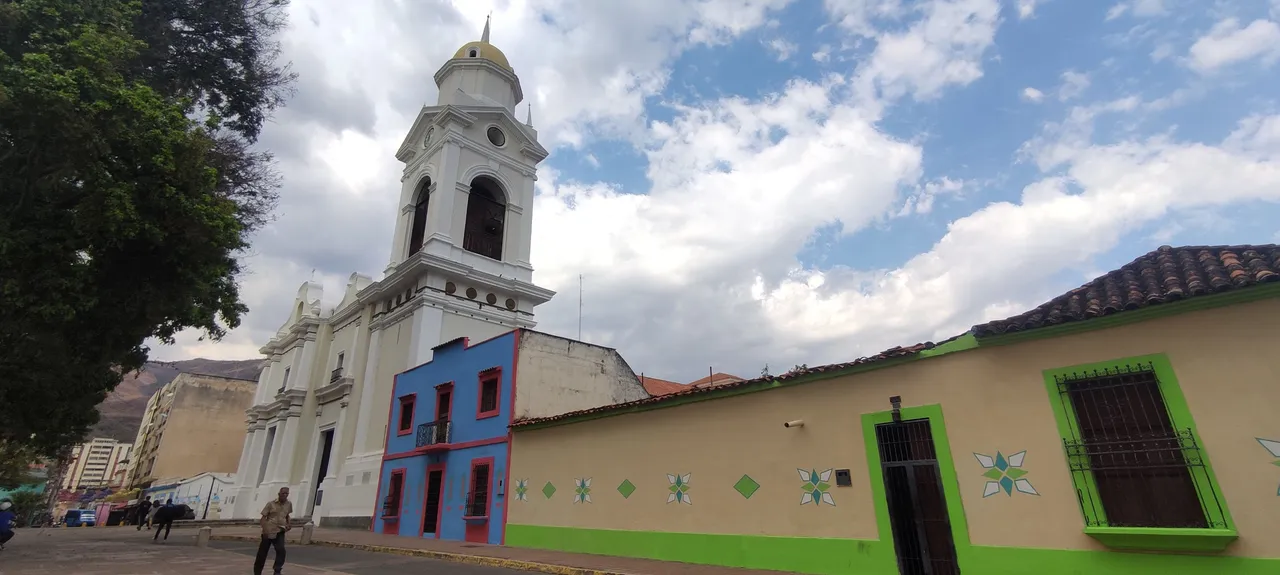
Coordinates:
column 843, row 556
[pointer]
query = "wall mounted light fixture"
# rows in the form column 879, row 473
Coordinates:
column 896, row 402
column 795, row 423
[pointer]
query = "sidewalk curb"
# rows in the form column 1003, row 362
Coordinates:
column 443, row 556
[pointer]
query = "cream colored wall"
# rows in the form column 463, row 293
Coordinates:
column 205, row 428
column 993, row 399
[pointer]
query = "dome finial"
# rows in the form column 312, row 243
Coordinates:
column 484, row 36
column 528, row 115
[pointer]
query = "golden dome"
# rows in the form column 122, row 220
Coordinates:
column 486, row 51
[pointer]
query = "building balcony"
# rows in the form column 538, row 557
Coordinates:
column 433, row 436
column 336, row 375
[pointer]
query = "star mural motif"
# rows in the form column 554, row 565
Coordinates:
column 815, row 487
column 582, row 490
column 1273, row 447
column 1005, row 474
column 522, row 490
column 679, row 489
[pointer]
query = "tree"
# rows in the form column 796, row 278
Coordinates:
column 26, row 503
column 15, row 465
column 123, row 214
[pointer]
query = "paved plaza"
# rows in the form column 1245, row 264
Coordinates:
column 124, row 551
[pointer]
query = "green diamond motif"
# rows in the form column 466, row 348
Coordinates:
column 626, row 488
column 548, row 490
column 746, row 486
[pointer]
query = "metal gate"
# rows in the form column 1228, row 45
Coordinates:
column 917, row 506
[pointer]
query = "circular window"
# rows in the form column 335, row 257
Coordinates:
column 492, row 299
column 449, row 288
column 426, row 140
column 471, row 293
column 511, row 304
column 496, row 137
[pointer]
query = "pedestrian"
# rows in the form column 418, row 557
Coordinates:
column 275, row 522
column 7, row 521
column 144, row 512
column 166, row 516
column 151, row 515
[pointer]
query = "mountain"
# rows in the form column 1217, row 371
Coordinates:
column 121, row 413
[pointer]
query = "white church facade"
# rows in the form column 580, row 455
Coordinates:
column 459, row 267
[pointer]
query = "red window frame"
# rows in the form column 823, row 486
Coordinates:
column 410, row 400
column 441, row 390
column 492, row 375
column 471, row 487
column 399, row 506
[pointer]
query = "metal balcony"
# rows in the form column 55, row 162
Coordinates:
column 336, row 375
column 433, row 433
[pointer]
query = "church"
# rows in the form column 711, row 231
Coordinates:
column 459, row 270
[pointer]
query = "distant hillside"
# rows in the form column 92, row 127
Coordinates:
column 121, row 413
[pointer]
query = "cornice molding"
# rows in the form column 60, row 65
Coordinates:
column 336, row 390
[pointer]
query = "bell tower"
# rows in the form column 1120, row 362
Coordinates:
column 465, row 213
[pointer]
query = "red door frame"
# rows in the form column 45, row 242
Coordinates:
column 478, row 530
column 388, row 521
column 443, row 468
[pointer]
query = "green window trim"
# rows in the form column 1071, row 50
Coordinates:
column 946, row 471
column 1145, row 538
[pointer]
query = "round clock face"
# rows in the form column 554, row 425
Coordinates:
column 427, row 139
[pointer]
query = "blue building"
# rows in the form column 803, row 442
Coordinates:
column 444, row 468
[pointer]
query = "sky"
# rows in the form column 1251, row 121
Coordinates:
column 752, row 183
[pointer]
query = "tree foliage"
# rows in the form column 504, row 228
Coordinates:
column 129, row 185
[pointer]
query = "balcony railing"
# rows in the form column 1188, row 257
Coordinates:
column 477, row 504
column 433, row 433
column 336, row 375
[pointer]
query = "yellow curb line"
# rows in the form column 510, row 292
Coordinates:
column 443, row 556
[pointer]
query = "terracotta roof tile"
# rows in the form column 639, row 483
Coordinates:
column 690, row 391
column 715, row 379
column 657, row 387
column 1165, row 275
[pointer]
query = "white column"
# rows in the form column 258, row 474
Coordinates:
column 264, row 387
column 440, row 212
column 366, row 393
column 255, row 456
column 427, row 323
column 300, row 377
column 282, row 463
column 242, row 468
column 305, row 485
column 401, row 238
column 338, row 429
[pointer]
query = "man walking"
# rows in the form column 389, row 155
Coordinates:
column 165, row 517
column 143, row 511
column 275, row 522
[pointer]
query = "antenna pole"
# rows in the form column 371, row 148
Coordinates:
column 579, row 307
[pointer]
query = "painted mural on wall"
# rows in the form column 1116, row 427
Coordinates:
column 626, row 488
column 1273, row 447
column 548, row 490
column 679, row 488
column 522, row 490
column 815, row 487
column 582, row 490
column 746, row 486
column 1005, row 474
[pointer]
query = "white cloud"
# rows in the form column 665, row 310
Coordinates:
column 1073, row 84
column 1032, row 95
column 703, row 269
column 823, row 55
column 1227, row 43
column 943, row 48
column 782, row 48
column 1027, row 8
column 1139, row 8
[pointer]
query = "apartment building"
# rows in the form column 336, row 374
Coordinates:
column 192, row 425
column 95, row 463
